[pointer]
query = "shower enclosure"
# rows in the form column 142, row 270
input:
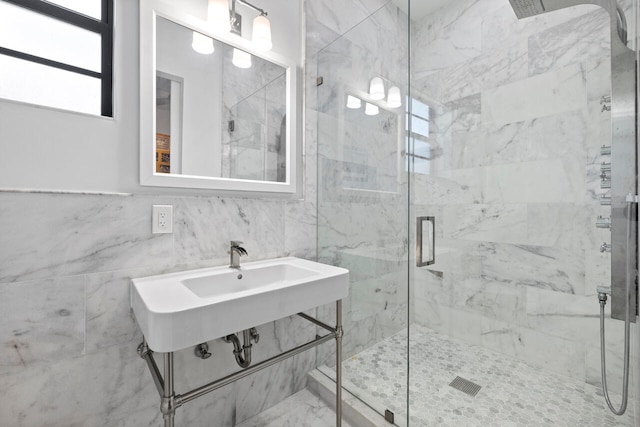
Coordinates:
column 518, row 140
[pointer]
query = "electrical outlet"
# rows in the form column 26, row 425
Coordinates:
column 162, row 219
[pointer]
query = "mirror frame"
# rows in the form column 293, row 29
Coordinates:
column 149, row 10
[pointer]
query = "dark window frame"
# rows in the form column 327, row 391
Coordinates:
column 103, row 27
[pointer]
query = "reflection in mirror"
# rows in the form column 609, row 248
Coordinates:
column 220, row 111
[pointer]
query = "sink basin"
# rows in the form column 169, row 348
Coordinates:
column 183, row 309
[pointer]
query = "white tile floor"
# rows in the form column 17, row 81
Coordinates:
column 513, row 393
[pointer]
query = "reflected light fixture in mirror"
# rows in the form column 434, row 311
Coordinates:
column 202, row 44
column 353, row 102
column 376, row 89
column 371, row 110
column 241, row 59
column 394, row 99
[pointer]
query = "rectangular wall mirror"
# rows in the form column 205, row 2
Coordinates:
column 215, row 113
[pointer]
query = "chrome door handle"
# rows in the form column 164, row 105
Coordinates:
column 425, row 234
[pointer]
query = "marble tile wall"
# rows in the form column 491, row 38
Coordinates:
column 68, row 338
column 518, row 121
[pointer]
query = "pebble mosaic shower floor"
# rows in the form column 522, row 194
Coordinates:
column 513, row 393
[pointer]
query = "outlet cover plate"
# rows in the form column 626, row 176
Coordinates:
column 162, row 219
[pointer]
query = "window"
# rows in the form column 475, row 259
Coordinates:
column 418, row 145
column 58, row 53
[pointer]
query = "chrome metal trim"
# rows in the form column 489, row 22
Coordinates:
column 431, row 240
column 171, row 401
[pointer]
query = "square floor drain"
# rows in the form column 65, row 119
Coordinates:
column 465, row 386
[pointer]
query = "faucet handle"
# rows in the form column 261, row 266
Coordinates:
column 235, row 243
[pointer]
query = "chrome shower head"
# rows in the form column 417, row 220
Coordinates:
column 527, row 8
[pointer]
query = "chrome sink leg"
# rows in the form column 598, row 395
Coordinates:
column 168, row 405
column 339, row 334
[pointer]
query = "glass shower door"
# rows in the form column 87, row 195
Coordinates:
column 363, row 204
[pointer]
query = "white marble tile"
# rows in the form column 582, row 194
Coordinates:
column 557, row 225
column 537, row 348
column 42, row 322
column 554, row 92
column 204, row 227
column 101, row 386
column 61, row 235
column 369, row 297
column 558, row 269
column 574, row 41
column 572, row 317
column 450, row 36
column 491, row 223
column 338, row 17
column 463, row 186
column 109, row 319
column 559, row 180
column 487, row 72
column 494, row 300
column 540, row 138
column 302, row 409
column 215, row 409
column 265, row 389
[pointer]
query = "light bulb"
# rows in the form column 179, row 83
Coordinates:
column 353, row 102
column 393, row 99
column 376, row 89
column 218, row 15
column 262, row 33
column 241, row 59
column 371, row 110
column 202, row 44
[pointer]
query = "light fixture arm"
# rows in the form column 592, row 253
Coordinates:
column 246, row 3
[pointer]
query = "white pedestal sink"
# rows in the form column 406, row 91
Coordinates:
column 183, row 309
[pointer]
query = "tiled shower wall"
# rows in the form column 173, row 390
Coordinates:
column 518, row 118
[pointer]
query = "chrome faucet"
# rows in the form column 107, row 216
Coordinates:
column 235, row 252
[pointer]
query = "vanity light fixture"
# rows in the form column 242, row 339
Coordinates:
column 261, row 38
column 376, row 89
column 262, row 32
column 394, row 99
column 202, row 44
column 353, row 102
column 218, row 11
column 241, row 59
column 371, row 110
column 218, row 16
